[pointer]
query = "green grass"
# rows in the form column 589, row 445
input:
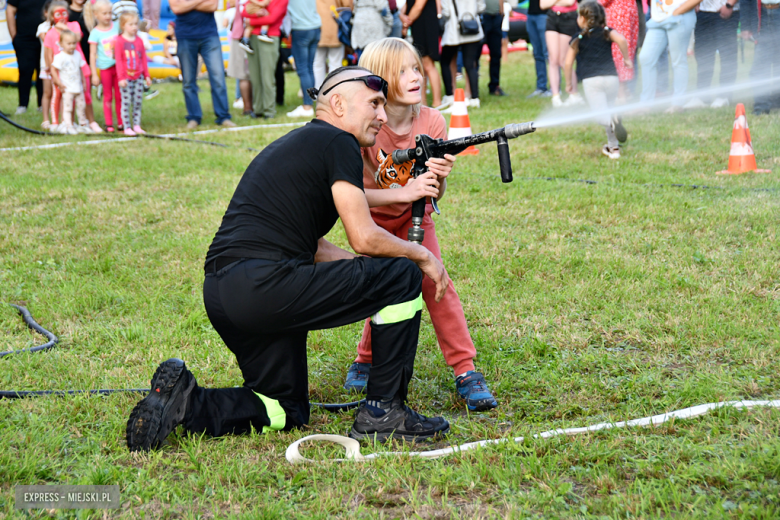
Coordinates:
column 587, row 302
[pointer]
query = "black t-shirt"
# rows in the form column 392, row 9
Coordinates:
column 594, row 57
column 534, row 8
column 283, row 203
column 29, row 14
column 78, row 16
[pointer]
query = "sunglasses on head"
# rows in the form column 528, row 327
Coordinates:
column 375, row 83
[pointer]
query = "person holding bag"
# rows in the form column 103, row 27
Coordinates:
column 462, row 32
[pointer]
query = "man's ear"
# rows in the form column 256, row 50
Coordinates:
column 338, row 105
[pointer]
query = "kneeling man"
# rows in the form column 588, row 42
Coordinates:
column 271, row 277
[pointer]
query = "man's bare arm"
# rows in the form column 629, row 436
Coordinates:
column 367, row 238
column 207, row 6
column 183, row 6
column 327, row 252
column 10, row 19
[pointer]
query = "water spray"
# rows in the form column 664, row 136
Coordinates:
column 759, row 87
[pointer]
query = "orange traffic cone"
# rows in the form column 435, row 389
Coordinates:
column 741, row 158
column 460, row 126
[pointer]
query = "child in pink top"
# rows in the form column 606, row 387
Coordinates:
column 390, row 190
column 131, row 70
column 51, row 44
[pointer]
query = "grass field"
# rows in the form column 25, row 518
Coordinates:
column 588, row 303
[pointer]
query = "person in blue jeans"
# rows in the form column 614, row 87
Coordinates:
column 305, row 35
column 671, row 24
column 196, row 33
column 536, row 25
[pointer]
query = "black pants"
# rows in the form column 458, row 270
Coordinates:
column 28, row 59
column 263, row 311
column 471, row 53
column 491, row 25
column 714, row 34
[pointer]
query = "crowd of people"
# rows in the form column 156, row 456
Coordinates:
column 448, row 34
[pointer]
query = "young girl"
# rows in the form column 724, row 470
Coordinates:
column 592, row 47
column 102, row 63
column 169, row 48
column 66, row 74
column 131, row 69
column 51, row 44
column 44, row 28
column 80, row 11
column 398, row 61
column 561, row 27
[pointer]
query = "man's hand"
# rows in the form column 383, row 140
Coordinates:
column 434, row 270
column 726, row 13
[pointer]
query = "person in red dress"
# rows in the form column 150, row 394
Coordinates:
column 623, row 17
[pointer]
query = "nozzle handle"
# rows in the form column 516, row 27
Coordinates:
column 504, row 161
column 402, row 156
column 518, row 129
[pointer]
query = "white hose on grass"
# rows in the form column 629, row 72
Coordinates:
column 352, row 447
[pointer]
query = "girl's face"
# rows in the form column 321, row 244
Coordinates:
column 68, row 45
column 79, row 3
column 171, row 30
column 103, row 15
column 410, row 82
column 581, row 22
column 59, row 15
column 131, row 27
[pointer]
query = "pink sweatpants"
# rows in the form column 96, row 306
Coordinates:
column 111, row 93
column 447, row 317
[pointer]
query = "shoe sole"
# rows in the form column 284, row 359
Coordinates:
column 385, row 436
column 482, row 406
column 157, row 414
column 356, row 388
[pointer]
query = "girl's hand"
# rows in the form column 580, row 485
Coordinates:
column 149, row 82
column 95, row 80
column 628, row 63
column 426, row 185
column 405, row 20
column 441, row 167
column 123, row 83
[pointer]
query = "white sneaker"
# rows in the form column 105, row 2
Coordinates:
column 574, row 100
column 694, row 103
column 556, row 101
column 612, row 153
column 446, row 101
column 46, row 125
column 720, row 103
column 70, row 130
column 301, row 112
column 83, row 129
column 473, row 103
column 239, row 103
column 21, row 110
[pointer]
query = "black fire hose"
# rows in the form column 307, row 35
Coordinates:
column 53, row 340
column 21, row 127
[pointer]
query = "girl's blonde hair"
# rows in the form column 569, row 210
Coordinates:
column 89, row 12
column 126, row 17
column 386, row 58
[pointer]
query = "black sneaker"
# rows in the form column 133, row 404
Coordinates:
column 245, row 44
column 399, row 422
column 160, row 412
column 498, row 92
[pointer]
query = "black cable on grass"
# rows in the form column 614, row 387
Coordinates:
column 151, row 136
column 212, row 143
column 53, row 340
column 20, row 127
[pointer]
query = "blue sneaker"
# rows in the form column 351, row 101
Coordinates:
column 473, row 388
column 357, row 377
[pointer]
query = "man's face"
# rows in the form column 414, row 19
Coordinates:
column 365, row 113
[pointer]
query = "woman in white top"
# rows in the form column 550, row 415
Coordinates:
column 453, row 40
column 671, row 24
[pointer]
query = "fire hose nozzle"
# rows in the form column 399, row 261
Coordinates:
column 518, row 129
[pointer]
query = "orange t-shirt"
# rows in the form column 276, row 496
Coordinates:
column 379, row 172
